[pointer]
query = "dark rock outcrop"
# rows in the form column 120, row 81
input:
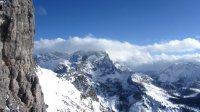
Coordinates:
column 19, row 86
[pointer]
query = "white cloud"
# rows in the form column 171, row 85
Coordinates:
column 185, row 45
column 125, row 52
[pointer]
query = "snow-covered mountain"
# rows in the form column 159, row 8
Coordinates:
column 186, row 73
column 90, row 81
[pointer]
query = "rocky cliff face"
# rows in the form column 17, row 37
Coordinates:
column 19, row 86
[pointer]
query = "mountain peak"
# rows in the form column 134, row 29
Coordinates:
column 88, row 55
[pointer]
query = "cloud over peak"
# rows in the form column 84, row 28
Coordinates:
column 132, row 54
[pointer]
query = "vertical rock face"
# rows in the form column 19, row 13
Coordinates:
column 19, row 86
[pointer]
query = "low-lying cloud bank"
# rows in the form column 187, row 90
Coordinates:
column 131, row 54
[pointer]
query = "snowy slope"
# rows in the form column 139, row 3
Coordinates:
column 153, row 94
column 60, row 95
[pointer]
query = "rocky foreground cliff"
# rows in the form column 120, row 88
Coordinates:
column 19, row 86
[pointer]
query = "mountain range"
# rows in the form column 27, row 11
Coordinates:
column 90, row 81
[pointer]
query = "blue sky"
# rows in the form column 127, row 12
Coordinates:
column 135, row 21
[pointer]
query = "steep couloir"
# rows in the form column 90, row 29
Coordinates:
column 19, row 86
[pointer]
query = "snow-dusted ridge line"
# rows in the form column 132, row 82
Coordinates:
column 156, row 93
